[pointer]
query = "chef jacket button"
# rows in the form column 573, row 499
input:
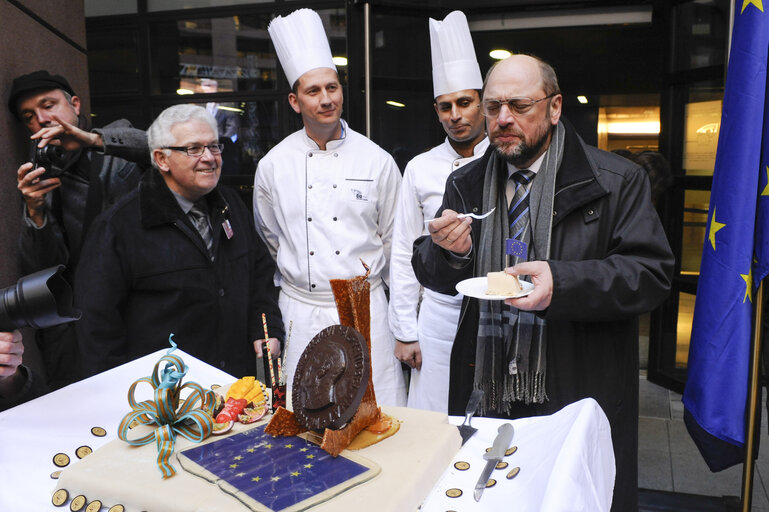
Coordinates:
column 221, row 292
column 336, row 252
column 310, row 154
column 334, row 185
column 456, row 164
column 334, row 218
column 336, row 154
column 312, row 253
column 312, row 286
column 309, row 186
column 309, row 219
column 555, row 213
column 222, row 364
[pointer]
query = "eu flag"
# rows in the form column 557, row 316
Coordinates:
column 267, row 473
column 735, row 256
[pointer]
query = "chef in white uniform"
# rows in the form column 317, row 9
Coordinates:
column 424, row 340
column 324, row 199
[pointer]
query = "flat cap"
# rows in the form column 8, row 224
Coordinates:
column 36, row 81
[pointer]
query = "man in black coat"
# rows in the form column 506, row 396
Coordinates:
column 178, row 255
column 581, row 225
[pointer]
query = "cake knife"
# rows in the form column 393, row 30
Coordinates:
column 497, row 452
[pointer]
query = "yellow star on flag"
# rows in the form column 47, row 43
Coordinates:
column 233, row 466
column 757, row 3
column 748, row 285
column 256, row 479
column 765, row 192
column 714, row 227
column 295, row 473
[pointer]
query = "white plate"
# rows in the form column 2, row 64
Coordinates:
column 477, row 286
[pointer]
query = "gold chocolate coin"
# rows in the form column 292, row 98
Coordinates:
column 462, row 466
column 94, row 506
column 501, row 465
column 454, row 493
column 98, row 431
column 77, row 504
column 82, row 451
column 55, row 474
column 513, row 472
column 60, row 497
column 488, row 449
column 214, row 387
column 116, row 508
column 61, row 460
column 511, row 450
column 491, row 483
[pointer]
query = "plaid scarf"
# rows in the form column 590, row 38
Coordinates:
column 511, row 350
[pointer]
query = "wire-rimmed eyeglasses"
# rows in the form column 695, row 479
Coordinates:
column 517, row 106
column 198, row 149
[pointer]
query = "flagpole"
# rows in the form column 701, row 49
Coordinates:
column 753, row 394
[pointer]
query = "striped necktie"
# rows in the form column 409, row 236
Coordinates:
column 518, row 214
column 199, row 217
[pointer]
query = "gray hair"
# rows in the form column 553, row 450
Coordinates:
column 159, row 133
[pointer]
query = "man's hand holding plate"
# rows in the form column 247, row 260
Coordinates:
column 542, row 279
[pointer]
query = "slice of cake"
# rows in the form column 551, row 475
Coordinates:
column 502, row 283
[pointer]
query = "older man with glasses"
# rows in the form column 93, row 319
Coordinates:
column 581, row 227
column 178, row 255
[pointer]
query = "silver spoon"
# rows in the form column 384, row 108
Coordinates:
column 473, row 215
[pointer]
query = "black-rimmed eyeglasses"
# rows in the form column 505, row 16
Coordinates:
column 198, row 150
column 517, row 106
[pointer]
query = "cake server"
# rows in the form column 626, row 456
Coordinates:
column 465, row 429
column 497, row 452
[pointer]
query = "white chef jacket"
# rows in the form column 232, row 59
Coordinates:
column 421, row 195
column 321, row 212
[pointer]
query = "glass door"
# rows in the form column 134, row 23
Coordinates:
column 690, row 115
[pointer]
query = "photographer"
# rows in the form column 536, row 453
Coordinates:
column 67, row 189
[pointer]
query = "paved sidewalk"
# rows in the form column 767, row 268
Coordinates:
column 668, row 460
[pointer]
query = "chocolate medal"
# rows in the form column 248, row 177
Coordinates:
column 60, row 497
column 116, row 508
column 513, row 473
column 56, row 474
column 77, row 504
column 61, row 460
column 511, row 450
column 454, row 493
column 98, row 432
column 330, row 379
column 462, row 466
column 94, row 506
column 501, row 465
column 82, row 451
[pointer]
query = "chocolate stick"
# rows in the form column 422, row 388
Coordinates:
column 269, row 352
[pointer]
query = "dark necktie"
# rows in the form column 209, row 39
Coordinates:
column 199, row 216
column 518, row 214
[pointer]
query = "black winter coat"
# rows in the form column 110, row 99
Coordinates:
column 610, row 261
column 145, row 273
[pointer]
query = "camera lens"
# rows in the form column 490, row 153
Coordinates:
column 42, row 299
column 48, row 155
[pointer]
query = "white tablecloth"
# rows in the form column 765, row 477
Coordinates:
column 566, row 459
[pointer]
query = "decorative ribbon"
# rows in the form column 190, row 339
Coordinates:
column 191, row 421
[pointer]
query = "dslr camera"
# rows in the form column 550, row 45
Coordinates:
column 50, row 157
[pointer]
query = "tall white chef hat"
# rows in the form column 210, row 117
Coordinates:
column 455, row 67
column 301, row 43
